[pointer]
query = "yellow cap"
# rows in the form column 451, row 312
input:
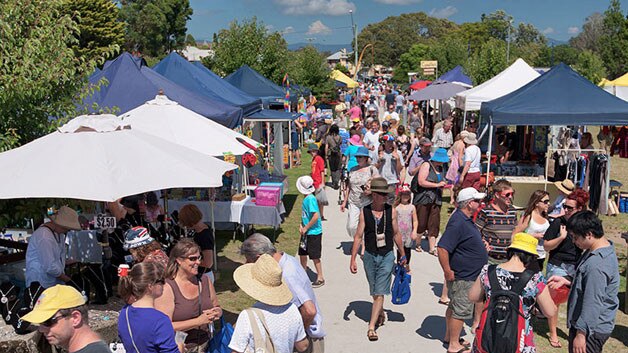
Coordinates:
column 524, row 242
column 52, row 300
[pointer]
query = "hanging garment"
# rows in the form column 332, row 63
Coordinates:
column 597, row 185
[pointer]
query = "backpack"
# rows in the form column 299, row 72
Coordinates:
column 503, row 322
column 401, row 286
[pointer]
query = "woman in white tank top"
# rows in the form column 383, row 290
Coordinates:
column 535, row 223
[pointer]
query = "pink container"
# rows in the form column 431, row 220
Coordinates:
column 267, row 195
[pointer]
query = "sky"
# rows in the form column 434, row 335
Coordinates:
column 329, row 21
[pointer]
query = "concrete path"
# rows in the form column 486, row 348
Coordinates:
column 418, row 326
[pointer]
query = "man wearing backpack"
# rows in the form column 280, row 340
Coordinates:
column 593, row 300
column 462, row 254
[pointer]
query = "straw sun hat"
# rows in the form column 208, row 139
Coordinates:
column 67, row 218
column 262, row 281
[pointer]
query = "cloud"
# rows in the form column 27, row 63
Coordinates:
column 548, row 30
column 573, row 30
column 316, row 7
column 445, row 12
column 398, row 2
column 318, row 27
column 269, row 28
column 288, row 30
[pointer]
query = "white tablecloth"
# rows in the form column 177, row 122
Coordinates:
column 83, row 246
column 242, row 212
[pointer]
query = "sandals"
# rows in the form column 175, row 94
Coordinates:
column 461, row 341
column 463, row 349
column 444, row 302
column 433, row 252
column 318, row 283
column 372, row 335
column 555, row 344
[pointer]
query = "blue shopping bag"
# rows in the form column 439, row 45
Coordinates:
column 401, row 286
column 220, row 342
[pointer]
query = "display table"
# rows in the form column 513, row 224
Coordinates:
column 83, row 246
column 244, row 212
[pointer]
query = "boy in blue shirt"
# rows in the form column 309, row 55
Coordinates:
column 311, row 229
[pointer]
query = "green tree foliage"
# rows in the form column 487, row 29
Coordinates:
column 450, row 52
column 396, row 34
column 155, row 27
column 498, row 24
column 307, row 67
column 487, row 62
column 592, row 31
column 550, row 56
column 100, row 34
column 410, row 62
column 590, row 66
column 189, row 40
column 249, row 43
column 40, row 75
column 341, row 68
column 614, row 42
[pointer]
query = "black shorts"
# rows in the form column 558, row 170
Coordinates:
column 314, row 247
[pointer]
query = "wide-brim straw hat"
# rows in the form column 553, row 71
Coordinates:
column 67, row 218
column 263, row 281
column 524, row 242
column 380, row 185
column 305, row 185
column 566, row 186
column 471, row 139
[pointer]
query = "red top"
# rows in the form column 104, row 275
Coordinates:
column 318, row 166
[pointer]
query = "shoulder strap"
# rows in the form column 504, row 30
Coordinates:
column 522, row 282
column 128, row 325
column 257, row 336
column 492, row 278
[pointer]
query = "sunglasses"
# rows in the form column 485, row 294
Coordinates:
column 509, row 194
column 546, row 202
column 52, row 321
column 568, row 208
column 195, row 258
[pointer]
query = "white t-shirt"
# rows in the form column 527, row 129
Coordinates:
column 372, row 139
column 299, row 283
column 473, row 154
column 284, row 324
column 388, row 116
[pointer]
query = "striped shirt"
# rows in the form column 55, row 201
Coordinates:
column 443, row 139
column 496, row 228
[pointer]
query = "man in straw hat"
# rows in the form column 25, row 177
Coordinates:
column 378, row 226
column 296, row 278
column 273, row 310
column 45, row 256
column 565, row 188
column 593, row 300
column 63, row 319
column 470, row 176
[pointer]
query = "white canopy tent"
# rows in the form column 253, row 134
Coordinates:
column 512, row 78
column 100, row 158
column 170, row 121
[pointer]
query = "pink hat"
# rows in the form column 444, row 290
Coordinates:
column 355, row 140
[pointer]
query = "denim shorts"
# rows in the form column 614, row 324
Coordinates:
column 379, row 269
column 563, row 270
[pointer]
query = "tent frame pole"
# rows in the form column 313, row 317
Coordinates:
column 488, row 151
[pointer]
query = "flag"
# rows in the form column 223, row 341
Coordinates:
column 286, row 82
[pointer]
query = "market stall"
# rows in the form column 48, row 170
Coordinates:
column 617, row 87
column 561, row 97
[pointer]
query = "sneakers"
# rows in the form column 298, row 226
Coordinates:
column 318, row 283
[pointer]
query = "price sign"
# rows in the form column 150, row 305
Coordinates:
column 104, row 222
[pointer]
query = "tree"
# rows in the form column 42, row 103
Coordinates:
column 487, row 62
column 249, row 43
column 40, row 75
column 498, row 24
column 590, row 66
column 155, row 27
column 341, row 68
column 550, row 56
column 592, row 31
column 396, row 34
column 307, row 67
column 614, row 41
column 100, row 35
column 450, row 52
column 527, row 34
column 410, row 62
column 189, row 40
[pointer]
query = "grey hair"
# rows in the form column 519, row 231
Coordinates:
column 464, row 204
column 255, row 245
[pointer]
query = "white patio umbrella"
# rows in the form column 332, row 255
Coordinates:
column 100, row 158
column 167, row 119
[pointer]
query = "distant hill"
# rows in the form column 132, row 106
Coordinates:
column 555, row 42
column 332, row 48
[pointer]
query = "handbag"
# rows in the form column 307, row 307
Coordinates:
column 261, row 345
column 220, row 342
column 401, row 286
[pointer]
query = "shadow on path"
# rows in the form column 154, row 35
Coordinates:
column 437, row 288
column 346, row 247
column 362, row 310
column 432, row 328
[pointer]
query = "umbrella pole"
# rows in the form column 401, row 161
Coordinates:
column 290, row 145
column 211, row 205
column 488, row 152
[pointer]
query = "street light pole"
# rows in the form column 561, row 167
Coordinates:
column 355, row 45
column 508, row 44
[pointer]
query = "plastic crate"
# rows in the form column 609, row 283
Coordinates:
column 267, row 195
column 279, row 185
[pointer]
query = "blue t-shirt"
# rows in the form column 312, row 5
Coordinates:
column 463, row 242
column 152, row 330
column 308, row 209
column 350, row 154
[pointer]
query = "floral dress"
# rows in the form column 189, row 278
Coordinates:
column 404, row 221
column 534, row 287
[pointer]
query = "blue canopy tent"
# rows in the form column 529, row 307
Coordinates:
column 253, row 83
column 456, row 75
column 131, row 83
column 558, row 97
column 204, row 82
